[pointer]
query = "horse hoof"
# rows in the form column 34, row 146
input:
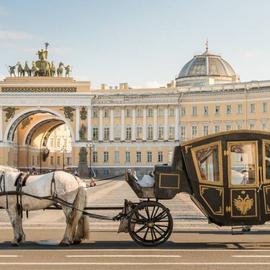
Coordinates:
column 15, row 244
column 64, row 244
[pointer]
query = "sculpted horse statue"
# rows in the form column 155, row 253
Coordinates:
column 59, row 185
column 12, row 71
column 20, row 70
column 60, row 69
column 27, row 69
column 68, row 70
column 34, row 69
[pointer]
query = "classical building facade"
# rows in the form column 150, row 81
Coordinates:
column 112, row 129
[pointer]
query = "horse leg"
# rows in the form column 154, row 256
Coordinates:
column 66, row 241
column 82, row 230
column 73, row 216
column 15, row 222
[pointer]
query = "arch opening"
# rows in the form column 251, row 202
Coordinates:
column 39, row 140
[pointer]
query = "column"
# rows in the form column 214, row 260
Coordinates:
column 77, row 134
column 176, row 129
column 133, row 129
column 100, row 133
column 111, row 126
column 122, row 125
column 89, row 124
column 1, row 123
column 166, row 124
column 144, row 124
column 155, row 125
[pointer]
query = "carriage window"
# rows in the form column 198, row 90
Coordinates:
column 207, row 162
column 243, row 163
column 266, row 157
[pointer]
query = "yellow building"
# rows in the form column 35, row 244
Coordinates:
column 115, row 128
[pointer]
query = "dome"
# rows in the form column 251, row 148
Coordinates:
column 206, row 68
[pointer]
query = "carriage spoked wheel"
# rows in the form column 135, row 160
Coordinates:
column 150, row 223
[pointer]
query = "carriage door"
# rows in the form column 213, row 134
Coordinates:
column 243, row 180
column 265, row 184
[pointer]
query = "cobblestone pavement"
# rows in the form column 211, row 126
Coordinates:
column 113, row 193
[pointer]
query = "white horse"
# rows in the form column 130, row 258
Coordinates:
column 63, row 186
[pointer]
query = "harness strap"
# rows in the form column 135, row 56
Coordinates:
column 53, row 187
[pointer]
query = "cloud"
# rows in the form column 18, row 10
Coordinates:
column 13, row 36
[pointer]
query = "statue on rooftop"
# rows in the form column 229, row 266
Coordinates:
column 68, row 70
column 12, row 71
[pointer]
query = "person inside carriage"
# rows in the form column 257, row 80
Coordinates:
column 148, row 180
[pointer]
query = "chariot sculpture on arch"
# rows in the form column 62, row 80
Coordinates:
column 41, row 67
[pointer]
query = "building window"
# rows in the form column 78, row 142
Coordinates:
column 58, row 160
column 117, row 133
column 33, row 160
column 128, row 113
column 160, row 133
column 149, row 157
column 68, row 161
column 205, row 110
column 251, row 126
column 52, row 161
column 117, row 113
column 95, row 134
column 58, row 142
column 229, row 109
column 139, row 133
column 139, row 112
column 106, row 134
column 217, row 110
column 171, row 112
column 205, row 130
column 160, row 156
column 106, row 113
column 194, row 110
column 116, row 157
column 194, row 131
column 95, row 114
column 264, row 107
column 183, row 132
column 51, row 142
column 171, row 133
column 183, row 111
column 239, row 108
column 239, row 125
column 127, row 157
column 160, row 112
column 95, row 156
column 252, row 108
column 149, row 133
column 138, row 157
column 106, row 156
column 128, row 133
column 228, row 127
column 217, row 128
column 150, row 112
column 264, row 126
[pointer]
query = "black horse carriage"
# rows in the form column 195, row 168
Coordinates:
column 226, row 174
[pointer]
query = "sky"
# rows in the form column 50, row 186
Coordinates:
column 142, row 42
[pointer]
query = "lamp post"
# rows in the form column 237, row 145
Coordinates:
column 90, row 146
column 63, row 149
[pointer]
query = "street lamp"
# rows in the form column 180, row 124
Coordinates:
column 63, row 149
column 90, row 146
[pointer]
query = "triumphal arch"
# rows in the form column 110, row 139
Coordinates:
column 34, row 100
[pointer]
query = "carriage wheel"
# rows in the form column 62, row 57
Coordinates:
column 150, row 223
